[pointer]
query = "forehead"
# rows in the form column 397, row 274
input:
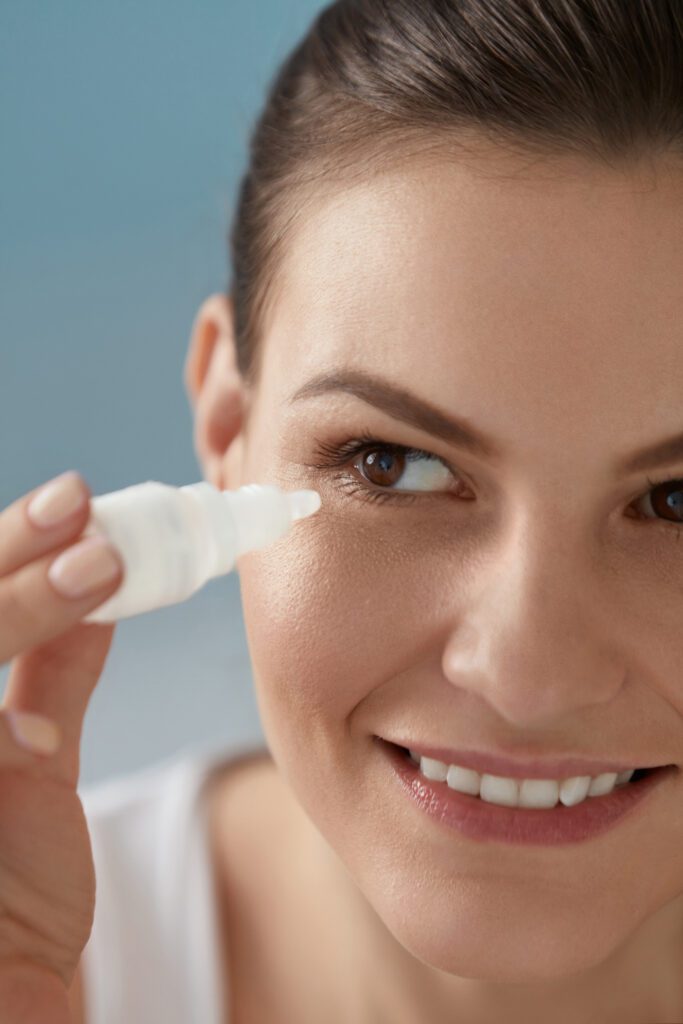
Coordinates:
column 560, row 280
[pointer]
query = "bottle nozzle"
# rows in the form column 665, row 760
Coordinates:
column 262, row 513
column 303, row 503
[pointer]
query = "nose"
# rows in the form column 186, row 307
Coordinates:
column 535, row 642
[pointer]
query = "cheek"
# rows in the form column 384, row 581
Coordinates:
column 333, row 611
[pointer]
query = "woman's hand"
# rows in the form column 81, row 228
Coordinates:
column 49, row 580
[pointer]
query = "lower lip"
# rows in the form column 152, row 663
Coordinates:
column 477, row 819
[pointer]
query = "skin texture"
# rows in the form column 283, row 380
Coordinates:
column 542, row 302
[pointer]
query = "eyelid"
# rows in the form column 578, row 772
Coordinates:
column 339, row 452
column 356, row 448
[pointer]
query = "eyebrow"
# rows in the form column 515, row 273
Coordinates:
column 457, row 432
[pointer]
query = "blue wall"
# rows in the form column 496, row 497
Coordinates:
column 124, row 133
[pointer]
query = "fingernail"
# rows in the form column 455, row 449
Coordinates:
column 57, row 500
column 84, row 568
column 34, row 732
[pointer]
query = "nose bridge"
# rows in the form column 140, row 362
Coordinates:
column 528, row 642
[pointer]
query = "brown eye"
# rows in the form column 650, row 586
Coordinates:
column 666, row 500
column 383, row 467
column 397, row 468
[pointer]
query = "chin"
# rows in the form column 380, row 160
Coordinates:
column 476, row 931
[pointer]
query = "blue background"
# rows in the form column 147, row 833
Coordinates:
column 124, row 134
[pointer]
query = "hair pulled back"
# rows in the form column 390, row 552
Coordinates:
column 375, row 80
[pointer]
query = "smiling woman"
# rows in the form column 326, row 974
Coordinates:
column 456, row 312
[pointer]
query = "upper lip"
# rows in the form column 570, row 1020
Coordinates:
column 516, row 768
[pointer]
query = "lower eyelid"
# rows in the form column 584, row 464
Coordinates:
column 354, row 486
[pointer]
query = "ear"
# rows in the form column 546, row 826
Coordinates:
column 216, row 392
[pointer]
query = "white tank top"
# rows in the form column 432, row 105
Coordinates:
column 153, row 954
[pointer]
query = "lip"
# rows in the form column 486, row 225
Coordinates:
column 480, row 820
column 533, row 768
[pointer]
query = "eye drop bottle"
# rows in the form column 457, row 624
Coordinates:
column 172, row 540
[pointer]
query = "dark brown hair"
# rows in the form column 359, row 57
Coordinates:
column 374, row 80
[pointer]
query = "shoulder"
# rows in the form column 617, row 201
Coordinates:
column 246, row 799
column 255, row 827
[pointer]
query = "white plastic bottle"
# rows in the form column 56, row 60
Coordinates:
column 174, row 539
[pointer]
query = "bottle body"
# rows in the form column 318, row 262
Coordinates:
column 172, row 540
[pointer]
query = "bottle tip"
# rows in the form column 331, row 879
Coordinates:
column 303, row 503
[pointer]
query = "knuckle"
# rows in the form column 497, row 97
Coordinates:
column 25, row 613
column 21, row 610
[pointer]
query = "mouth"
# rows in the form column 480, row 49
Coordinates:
column 635, row 776
column 495, row 813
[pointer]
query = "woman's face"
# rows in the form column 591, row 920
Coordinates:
column 528, row 603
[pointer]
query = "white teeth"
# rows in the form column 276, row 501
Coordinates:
column 435, row 770
column 574, row 790
column 602, row 784
column 507, row 792
column 496, row 790
column 463, row 779
column 539, row 793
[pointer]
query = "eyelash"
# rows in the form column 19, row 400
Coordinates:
column 338, row 455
